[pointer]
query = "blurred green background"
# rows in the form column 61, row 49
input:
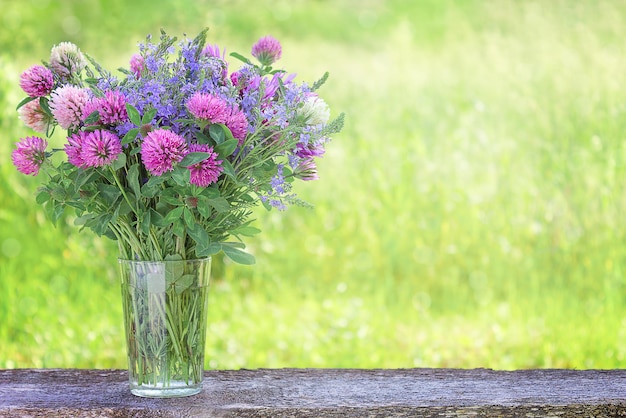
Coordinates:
column 471, row 213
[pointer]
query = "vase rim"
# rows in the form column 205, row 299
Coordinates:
column 187, row 260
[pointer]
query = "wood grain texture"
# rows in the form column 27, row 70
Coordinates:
column 323, row 393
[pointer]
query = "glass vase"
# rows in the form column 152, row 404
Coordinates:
column 165, row 317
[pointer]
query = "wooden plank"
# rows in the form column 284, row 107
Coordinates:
column 323, row 393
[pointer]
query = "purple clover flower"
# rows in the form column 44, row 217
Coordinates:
column 161, row 149
column 267, row 50
column 111, row 108
column 205, row 172
column 237, row 123
column 67, row 103
column 66, row 60
column 37, row 81
column 137, row 65
column 74, row 148
column 34, row 116
column 100, row 148
column 208, row 107
column 29, row 155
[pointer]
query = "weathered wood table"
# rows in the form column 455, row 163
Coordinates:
column 323, row 393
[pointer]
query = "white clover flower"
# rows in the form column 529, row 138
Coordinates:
column 315, row 111
column 66, row 59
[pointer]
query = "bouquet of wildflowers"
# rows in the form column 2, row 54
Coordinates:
column 170, row 158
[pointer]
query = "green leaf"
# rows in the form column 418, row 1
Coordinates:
column 229, row 170
column 133, row 179
column 186, row 122
column 237, row 255
column 227, row 132
column 209, row 249
column 82, row 178
column 179, row 228
column 101, row 224
column 152, row 187
column 54, row 210
column 173, row 257
column 82, row 220
column 42, row 197
column 173, row 215
column 240, row 57
column 173, row 271
column 145, row 223
column 203, row 206
column 183, row 283
column 189, row 218
column 235, row 244
column 58, row 193
column 133, row 114
column 193, row 158
column 211, row 192
column 226, row 148
column 171, row 200
column 123, row 209
column 157, row 219
column 26, row 100
column 247, row 231
column 109, row 193
column 130, row 136
column 92, row 118
column 119, row 162
column 220, row 204
column 148, row 116
column 217, row 133
column 202, row 138
column 181, row 175
column 43, row 102
column 198, row 234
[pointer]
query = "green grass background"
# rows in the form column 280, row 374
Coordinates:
column 471, row 213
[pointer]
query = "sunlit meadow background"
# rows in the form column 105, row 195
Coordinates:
column 472, row 213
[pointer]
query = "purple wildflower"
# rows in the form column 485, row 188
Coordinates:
column 309, row 150
column 67, row 103
column 205, row 172
column 34, row 116
column 277, row 203
column 213, row 51
column 267, row 50
column 161, row 149
column 29, row 155
column 37, row 81
column 74, row 148
column 234, row 78
column 208, row 107
column 111, row 108
column 278, row 181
